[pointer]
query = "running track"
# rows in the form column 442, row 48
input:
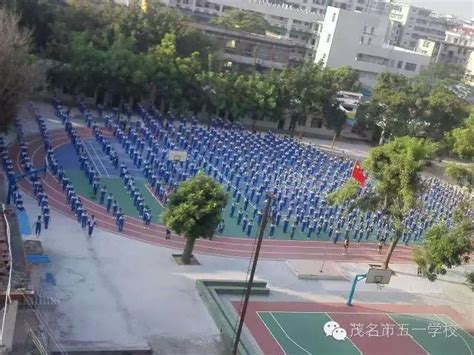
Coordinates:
column 220, row 246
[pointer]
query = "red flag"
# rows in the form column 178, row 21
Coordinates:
column 358, row 174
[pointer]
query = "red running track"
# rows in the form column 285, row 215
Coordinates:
column 221, row 246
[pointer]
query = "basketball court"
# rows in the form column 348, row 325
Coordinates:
column 334, row 328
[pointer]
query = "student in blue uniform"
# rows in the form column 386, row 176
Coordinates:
column 91, row 223
column 121, row 222
column 37, row 226
column 46, row 219
column 109, row 202
column 103, row 191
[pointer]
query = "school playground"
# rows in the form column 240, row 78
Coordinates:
column 109, row 176
column 375, row 329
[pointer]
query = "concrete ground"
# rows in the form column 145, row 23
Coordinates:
column 120, row 293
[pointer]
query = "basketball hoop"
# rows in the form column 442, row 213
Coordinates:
column 378, row 276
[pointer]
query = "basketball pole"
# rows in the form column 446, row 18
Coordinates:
column 252, row 273
column 356, row 279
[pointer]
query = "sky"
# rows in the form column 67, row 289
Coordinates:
column 460, row 8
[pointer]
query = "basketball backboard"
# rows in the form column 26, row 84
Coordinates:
column 177, row 155
column 377, row 275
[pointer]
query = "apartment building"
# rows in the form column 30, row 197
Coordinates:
column 243, row 50
column 287, row 21
column 359, row 40
column 411, row 23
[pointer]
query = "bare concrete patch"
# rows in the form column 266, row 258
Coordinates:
column 316, row 269
column 177, row 258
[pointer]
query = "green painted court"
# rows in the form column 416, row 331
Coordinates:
column 358, row 330
column 302, row 333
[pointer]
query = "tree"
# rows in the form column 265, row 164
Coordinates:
column 443, row 111
column 308, row 89
column 461, row 142
column 463, row 175
column 254, row 97
column 150, row 27
column 346, row 78
column 401, row 106
column 219, row 90
column 239, row 20
column 440, row 73
column 194, row 210
column 461, row 139
column 394, row 168
column 169, row 74
column 444, row 246
column 19, row 73
column 37, row 16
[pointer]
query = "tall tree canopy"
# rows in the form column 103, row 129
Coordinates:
column 194, row 210
column 400, row 107
column 446, row 246
column 461, row 139
column 394, row 172
column 19, row 75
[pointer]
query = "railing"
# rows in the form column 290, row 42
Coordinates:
column 8, row 291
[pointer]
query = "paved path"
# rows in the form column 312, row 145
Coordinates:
column 222, row 246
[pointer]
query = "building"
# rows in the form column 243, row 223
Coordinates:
column 455, row 48
column 469, row 73
column 359, row 40
column 296, row 20
column 243, row 50
column 287, row 21
column 410, row 23
column 320, row 6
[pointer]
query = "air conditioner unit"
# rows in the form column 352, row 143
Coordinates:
column 258, row 61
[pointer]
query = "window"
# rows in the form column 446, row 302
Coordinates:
column 399, row 64
column 324, row 56
column 392, row 64
column 358, row 8
column 333, row 17
column 410, row 66
column 456, row 40
column 369, row 41
column 459, row 50
column 361, row 40
column 372, row 30
column 368, row 58
column 360, row 1
column 365, row 29
column 329, row 38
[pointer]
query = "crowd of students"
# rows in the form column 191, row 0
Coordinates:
column 30, row 173
column 247, row 164
column 108, row 149
column 86, row 222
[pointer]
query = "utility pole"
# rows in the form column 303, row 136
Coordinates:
column 252, row 273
